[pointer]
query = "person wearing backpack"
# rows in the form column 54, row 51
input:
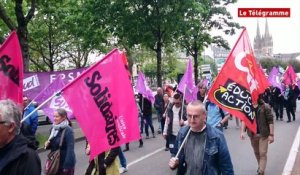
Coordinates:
column 216, row 117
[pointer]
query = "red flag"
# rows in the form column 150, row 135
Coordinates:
column 289, row 76
column 124, row 59
column 103, row 103
column 239, row 83
column 11, row 69
column 262, row 79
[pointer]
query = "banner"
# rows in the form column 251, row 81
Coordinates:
column 187, row 83
column 143, row 88
column 35, row 82
column 56, row 102
column 239, row 83
column 103, row 103
column 11, row 69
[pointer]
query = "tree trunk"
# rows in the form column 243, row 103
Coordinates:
column 196, row 72
column 158, row 70
column 22, row 28
column 23, row 38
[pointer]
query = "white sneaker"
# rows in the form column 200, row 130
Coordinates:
column 123, row 170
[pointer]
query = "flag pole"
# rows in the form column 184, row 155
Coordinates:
column 169, row 101
column 182, row 104
column 187, row 135
column 37, row 108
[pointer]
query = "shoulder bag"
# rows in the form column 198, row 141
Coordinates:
column 53, row 159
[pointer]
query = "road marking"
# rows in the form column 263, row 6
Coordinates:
column 145, row 157
column 288, row 168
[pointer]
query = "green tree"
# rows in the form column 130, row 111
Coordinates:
column 48, row 35
column 14, row 19
column 200, row 18
column 269, row 63
column 59, row 35
column 149, row 23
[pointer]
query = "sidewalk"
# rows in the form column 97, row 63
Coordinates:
column 296, row 168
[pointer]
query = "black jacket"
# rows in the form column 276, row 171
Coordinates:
column 18, row 157
column 145, row 105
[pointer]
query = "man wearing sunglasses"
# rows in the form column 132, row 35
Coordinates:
column 16, row 155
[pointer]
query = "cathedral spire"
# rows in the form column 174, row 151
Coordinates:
column 258, row 31
column 267, row 34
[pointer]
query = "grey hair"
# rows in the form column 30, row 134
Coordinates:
column 62, row 112
column 11, row 112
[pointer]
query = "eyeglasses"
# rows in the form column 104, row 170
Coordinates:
column 3, row 122
column 193, row 116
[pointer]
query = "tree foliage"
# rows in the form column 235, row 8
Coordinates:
column 14, row 18
column 148, row 23
column 200, row 18
column 269, row 63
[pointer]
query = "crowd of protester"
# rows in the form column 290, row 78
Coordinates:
column 201, row 121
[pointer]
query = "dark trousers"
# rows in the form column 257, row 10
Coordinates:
column 289, row 111
column 172, row 140
column 148, row 122
column 142, row 124
column 278, row 109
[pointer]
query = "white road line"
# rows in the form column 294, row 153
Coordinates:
column 145, row 157
column 288, row 168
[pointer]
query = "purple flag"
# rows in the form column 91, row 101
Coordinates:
column 143, row 88
column 187, row 82
column 274, row 78
column 56, row 102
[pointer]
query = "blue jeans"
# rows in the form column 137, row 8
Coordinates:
column 172, row 140
column 122, row 158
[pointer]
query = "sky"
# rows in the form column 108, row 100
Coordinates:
column 285, row 31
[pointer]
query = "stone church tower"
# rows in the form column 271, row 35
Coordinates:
column 263, row 44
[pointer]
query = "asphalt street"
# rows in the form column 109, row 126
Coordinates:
column 152, row 159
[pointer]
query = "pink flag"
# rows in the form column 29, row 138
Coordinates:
column 56, row 102
column 103, row 103
column 188, row 83
column 143, row 88
column 289, row 76
column 11, row 69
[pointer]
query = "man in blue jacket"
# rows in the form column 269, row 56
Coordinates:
column 205, row 151
column 32, row 121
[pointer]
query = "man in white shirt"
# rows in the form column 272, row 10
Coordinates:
column 176, row 118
